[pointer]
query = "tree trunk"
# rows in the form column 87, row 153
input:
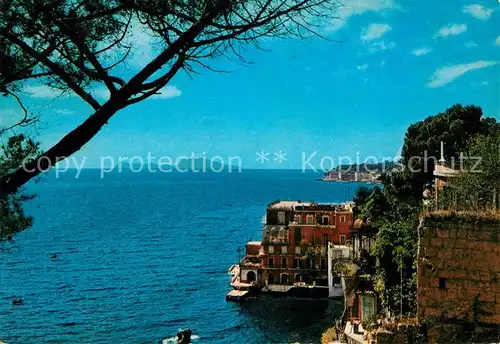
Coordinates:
column 76, row 139
column 69, row 144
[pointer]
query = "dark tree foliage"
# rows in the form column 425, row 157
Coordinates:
column 422, row 144
column 394, row 210
column 366, row 264
column 362, row 193
column 74, row 45
column 396, row 220
column 477, row 187
column 18, row 148
column 375, row 206
column 13, row 154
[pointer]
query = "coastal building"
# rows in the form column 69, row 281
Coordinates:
column 442, row 176
column 295, row 240
column 363, row 236
column 299, row 242
column 361, row 300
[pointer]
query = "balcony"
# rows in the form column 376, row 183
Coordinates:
column 274, row 234
column 234, row 270
column 250, row 261
column 278, row 267
column 313, row 224
column 298, row 268
column 277, row 241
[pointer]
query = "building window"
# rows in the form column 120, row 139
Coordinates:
column 283, row 262
column 310, row 220
column 271, row 249
column 271, row 262
column 281, row 217
column 326, row 219
column 297, row 234
column 342, row 219
column 297, row 249
column 284, row 249
column 284, row 279
column 296, row 219
column 270, row 279
column 325, row 239
column 442, row 283
column 296, row 262
column 323, row 263
column 342, row 239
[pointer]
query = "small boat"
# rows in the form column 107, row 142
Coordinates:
column 184, row 336
column 17, row 302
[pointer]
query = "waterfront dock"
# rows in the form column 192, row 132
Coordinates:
column 236, row 295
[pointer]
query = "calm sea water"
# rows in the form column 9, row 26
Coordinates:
column 142, row 255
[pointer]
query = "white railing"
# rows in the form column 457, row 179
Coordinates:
column 234, row 269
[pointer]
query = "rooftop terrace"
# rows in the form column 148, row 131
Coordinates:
column 287, row 204
column 299, row 205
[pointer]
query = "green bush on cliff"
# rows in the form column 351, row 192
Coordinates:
column 394, row 209
column 477, row 186
column 329, row 335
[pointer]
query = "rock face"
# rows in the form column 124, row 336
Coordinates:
column 184, row 336
column 459, row 266
column 458, row 286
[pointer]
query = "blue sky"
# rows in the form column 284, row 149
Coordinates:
column 397, row 63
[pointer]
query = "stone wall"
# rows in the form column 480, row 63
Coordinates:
column 459, row 268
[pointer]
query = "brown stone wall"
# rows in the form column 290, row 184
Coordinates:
column 459, row 268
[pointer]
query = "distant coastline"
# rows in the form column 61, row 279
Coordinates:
column 364, row 181
column 361, row 173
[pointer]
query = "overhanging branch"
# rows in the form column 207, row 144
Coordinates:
column 54, row 68
column 25, row 121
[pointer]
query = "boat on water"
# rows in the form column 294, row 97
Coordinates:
column 183, row 337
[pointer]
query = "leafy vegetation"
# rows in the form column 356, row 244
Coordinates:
column 78, row 46
column 329, row 335
column 422, row 144
column 13, row 154
column 394, row 209
column 477, row 187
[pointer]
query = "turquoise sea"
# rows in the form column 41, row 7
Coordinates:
column 141, row 255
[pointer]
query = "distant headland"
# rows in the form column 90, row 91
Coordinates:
column 366, row 173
